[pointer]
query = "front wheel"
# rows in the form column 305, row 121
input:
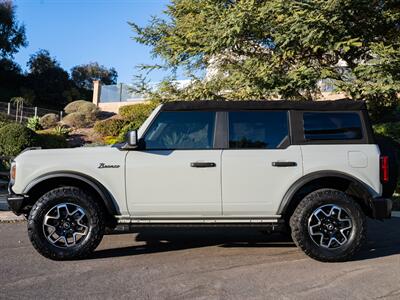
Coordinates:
column 65, row 223
column 328, row 225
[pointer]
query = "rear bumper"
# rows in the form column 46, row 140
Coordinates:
column 382, row 208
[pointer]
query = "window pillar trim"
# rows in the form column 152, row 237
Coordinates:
column 221, row 139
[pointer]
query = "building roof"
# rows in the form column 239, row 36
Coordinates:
column 205, row 105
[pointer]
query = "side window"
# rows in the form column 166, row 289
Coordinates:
column 181, row 130
column 332, row 126
column 258, row 129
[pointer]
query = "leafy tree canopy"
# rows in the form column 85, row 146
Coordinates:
column 51, row 84
column 254, row 49
column 84, row 75
column 41, row 62
column 12, row 34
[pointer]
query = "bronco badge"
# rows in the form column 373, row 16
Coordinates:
column 104, row 166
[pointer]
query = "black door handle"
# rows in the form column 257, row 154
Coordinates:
column 284, row 164
column 200, row 164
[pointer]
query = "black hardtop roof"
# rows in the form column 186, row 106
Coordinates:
column 205, row 105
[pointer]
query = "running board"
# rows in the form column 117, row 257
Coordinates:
column 200, row 222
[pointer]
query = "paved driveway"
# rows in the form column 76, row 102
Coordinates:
column 212, row 264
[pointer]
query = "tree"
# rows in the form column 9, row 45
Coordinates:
column 12, row 34
column 51, row 83
column 41, row 62
column 84, row 75
column 12, row 37
column 254, row 49
column 11, row 79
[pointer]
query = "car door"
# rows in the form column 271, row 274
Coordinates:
column 260, row 164
column 178, row 173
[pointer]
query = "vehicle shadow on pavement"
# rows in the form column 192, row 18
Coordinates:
column 383, row 240
column 166, row 239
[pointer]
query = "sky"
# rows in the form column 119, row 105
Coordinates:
column 82, row 31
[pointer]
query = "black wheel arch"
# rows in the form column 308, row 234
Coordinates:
column 44, row 183
column 309, row 183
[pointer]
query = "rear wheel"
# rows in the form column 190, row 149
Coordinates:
column 328, row 225
column 65, row 223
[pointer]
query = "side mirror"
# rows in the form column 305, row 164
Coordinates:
column 132, row 139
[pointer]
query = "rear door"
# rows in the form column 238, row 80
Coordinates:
column 260, row 164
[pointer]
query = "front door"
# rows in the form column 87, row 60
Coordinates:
column 260, row 164
column 178, row 173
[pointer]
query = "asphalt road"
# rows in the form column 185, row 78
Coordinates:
column 208, row 264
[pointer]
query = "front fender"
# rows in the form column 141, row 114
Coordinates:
column 106, row 196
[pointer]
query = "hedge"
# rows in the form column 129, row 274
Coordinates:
column 111, row 140
column 128, row 127
column 48, row 140
column 15, row 137
column 77, row 120
column 109, row 127
column 80, row 114
column 391, row 130
column 137, row 112
column 4, row 120
column 81, row 106
column 49, row 120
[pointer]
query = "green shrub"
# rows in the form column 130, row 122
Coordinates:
column 128, row 127
column 48, row 140
column 49, row 120
column 391, row 130
column 398, row 186
column 81, row 106
column 80, row 114
column 61, row 130
column 111, row 140
column 5, row 165
column 109, row 127
column 77, row 120
column 4, row 120
column 137, row 112
column 15, row 137
column 34, row 123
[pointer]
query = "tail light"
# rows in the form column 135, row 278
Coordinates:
column 384, row 169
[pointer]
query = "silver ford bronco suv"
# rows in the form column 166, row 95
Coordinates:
column 311, row 167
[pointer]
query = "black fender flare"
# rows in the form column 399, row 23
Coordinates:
column 106, row 196
column 363, row 188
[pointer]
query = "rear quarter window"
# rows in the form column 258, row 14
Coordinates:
column 322, row 126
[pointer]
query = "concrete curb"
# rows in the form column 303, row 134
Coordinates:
column 10, row 217
column 395, row 214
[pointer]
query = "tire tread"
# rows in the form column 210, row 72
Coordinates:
column 97, row 217
column 300, row 232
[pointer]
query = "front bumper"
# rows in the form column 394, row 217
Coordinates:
column 15, row 201
column 382, row 208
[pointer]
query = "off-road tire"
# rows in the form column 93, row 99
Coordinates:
column 302, row 238
column 52, row 198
